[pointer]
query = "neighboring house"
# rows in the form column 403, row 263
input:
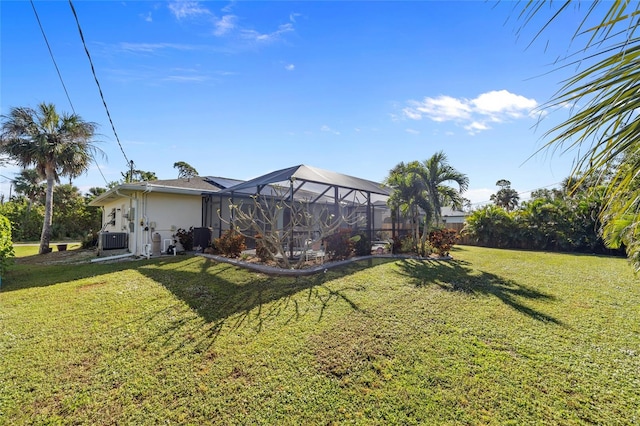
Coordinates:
column 134, row 214
column 449, row 215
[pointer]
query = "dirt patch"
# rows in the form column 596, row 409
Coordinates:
column 55, row 257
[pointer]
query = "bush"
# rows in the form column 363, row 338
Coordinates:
column 230, row 244
column 442, row 240
column 339, row 245
column 361, row 244
column 185, row 237
column 6, row 245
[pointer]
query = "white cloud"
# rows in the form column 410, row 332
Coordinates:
column 153, row 47
column 187, row 9
column 289, row 67
column 267, row 37
column 228, row 22
column 473, row 114
column 147, row 17
column 443, row 108
column 229, row 7
column 186, row 78
column 412, row 131
column 502, row 101
column 224, row 25
column 476, row 127
column 328, row 129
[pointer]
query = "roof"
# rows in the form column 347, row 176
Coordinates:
column 448, row 211
column 195, row 185
column 221, row 182
column 309, row 183
column 314, row 180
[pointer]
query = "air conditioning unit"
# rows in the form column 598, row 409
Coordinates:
column 113, row 240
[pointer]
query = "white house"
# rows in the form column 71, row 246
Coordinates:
column 136, row 214
column 449, row 215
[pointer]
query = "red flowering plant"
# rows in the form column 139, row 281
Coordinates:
column 442, row 240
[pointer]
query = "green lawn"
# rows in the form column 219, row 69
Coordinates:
column 23, row 250
column 493, row 337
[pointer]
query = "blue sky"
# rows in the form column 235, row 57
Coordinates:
column 238, row 89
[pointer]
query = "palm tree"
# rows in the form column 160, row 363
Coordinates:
column 605, row 125
column 437, row 172
column 506, row 197
column 29, row 183
column 409, row 193
column 422, row 186
column 55, row 145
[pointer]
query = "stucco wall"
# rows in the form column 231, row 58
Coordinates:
column 165, row 213
column 145, row 214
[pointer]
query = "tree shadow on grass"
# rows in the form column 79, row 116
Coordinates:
column 20, row 277
column 224, row 295
column 458, row 276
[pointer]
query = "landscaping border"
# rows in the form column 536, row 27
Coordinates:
column 271, row 270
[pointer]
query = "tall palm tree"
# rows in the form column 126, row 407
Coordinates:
column 436, row 173
column 409, row 193
column 604, row 124
column 421, row 186
column 506, row 197
column 55, row 145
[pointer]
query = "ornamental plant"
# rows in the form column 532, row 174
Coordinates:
column 339, row 246
column 231, row 243
column 442, row 240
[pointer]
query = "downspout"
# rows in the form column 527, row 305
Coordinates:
column 145, row 222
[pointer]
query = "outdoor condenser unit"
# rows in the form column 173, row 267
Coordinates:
column 113, row 240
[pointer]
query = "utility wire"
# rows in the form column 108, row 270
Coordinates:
column 52, row 57
column 97, row 82
column 55, row 64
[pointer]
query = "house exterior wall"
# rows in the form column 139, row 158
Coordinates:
column 142, row 215
column 164, row 214
column 453, row 219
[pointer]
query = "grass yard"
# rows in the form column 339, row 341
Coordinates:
column 493, row 337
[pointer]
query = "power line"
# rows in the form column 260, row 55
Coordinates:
column 55, row 64
column 52, row 57
column 97, row 82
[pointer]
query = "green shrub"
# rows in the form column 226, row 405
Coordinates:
column 6, row 244
column 231, row 243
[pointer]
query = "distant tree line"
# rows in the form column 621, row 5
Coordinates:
column 566, row 219
column 73, row 218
